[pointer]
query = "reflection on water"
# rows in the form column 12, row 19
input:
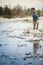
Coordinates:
column 35, row 47
column 17, row 51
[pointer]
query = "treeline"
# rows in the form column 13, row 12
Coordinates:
column 5, row 12
column 17, row 11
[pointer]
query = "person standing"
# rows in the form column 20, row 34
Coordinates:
column 35, row 19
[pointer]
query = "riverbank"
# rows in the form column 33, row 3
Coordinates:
column 21, row 19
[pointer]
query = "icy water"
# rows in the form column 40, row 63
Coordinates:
column 14, row 49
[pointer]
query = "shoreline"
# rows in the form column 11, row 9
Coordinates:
column 18, row 19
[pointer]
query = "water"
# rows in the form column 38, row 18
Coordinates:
column 14, row 49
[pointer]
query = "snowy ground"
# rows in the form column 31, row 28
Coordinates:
column 19, row 44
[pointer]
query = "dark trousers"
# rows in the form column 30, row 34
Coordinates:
column 35, row 25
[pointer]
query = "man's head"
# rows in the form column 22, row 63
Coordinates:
column 33, row 10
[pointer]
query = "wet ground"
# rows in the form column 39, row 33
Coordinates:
column 14, row 48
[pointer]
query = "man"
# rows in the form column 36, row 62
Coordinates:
column 35, row 19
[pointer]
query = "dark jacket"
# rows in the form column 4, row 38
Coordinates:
column 35, row 17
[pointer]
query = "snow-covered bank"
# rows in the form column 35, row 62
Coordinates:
column 20, row 19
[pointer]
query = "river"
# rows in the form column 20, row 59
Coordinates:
column 14, row 48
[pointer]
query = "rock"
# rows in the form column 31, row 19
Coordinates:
column 36, row 39
column 0, row 44
column 41, row 56
column 21, row 45
column 33, row 39
column 28, row 57
column 21, row 37
column 26, row 31
column 27, row 53
column 38, row 35
column 41, row 34
column 11, row 35
column 30, row 62
column 41, row 30
column 35, row 32
column 29, row 38
column 24, row 58
column 40, row 46
column 42, row 39
column 6, row 56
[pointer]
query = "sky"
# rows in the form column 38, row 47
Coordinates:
column 25, row 3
